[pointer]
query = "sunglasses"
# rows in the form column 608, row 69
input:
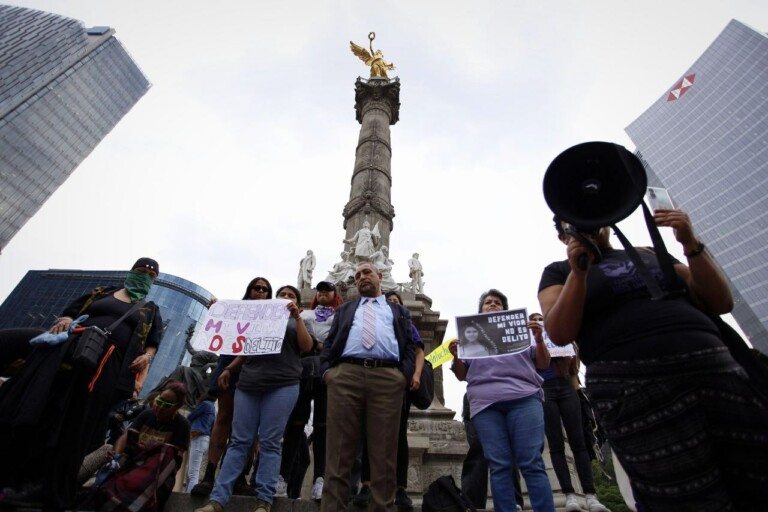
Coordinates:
column 163, row 404
column 259, row 288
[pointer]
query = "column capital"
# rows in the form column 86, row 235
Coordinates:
column 378, row 93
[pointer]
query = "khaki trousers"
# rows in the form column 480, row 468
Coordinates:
column 361, row 397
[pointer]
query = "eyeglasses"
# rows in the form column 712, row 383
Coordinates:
column 259, row 288
column 163, row 404
column 537, row 319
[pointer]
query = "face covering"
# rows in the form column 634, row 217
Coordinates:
column 323, row 313
column 137, row 284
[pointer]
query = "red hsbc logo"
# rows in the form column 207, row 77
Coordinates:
column 680, row 87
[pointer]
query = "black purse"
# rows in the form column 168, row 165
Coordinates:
column 90, row 343
column 422, row 397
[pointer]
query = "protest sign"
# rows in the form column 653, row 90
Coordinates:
column 556, row 351
column 243, row 327
column 441, row 354
column 493, row 334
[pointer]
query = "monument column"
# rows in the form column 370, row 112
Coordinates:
column 377, row 103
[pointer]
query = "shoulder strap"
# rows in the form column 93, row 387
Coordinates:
column 665, row 260
column 117, row 322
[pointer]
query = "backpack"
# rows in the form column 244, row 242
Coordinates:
column 443, row 496
column 422, row 397
column 142, row 484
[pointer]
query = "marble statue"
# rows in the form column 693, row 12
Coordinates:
column 374, row 59
column 306, row 266
column 364, row 242
column 343, row 273
column 381, row 259
column 416, row 273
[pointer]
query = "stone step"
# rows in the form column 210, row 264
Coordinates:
column 183, row 502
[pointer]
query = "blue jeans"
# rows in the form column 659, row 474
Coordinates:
column 514, row 431
column 263, row 413
column 197, row 449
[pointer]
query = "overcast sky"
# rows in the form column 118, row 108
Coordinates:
column 239, row 158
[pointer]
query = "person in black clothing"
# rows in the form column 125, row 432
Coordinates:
column 686, row 422
column 51, row 411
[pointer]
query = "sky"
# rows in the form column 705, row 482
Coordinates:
column 239, row 158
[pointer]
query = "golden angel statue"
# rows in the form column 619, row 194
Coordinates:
column 375, row 59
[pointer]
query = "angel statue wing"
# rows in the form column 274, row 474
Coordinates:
column 373, row 59
column 362, row 53
column 376, row 234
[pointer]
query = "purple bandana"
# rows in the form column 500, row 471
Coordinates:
column 323, row 313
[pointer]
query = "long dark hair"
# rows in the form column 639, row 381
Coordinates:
column 483, row 338
column 247, row 295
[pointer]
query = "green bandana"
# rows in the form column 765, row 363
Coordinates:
column 137, row 284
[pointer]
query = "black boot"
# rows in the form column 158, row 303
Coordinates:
column 205, row 486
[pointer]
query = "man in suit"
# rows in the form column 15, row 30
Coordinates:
column 367, row 362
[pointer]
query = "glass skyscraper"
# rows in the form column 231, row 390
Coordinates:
column 43, row 294
column 62, row 89
column 706, row 141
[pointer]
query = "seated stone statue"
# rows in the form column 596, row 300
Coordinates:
column 343, row 273
column 381, row 259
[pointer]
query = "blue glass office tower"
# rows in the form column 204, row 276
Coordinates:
column 62, row 89
column 706, row 140
column 43, row 294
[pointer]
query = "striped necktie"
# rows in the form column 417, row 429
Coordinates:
column 369, row 324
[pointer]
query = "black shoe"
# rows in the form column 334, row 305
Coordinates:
column 30, row 496
column 402, row 501
column 202, row 488
column 362, row 498
column 242, row 488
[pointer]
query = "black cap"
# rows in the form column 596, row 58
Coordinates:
column 325, row 286
column 146, row 263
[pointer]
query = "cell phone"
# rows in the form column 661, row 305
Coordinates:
column 658, row 199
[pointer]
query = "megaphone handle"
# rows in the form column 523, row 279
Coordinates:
column 583, row 261
column 589, row 244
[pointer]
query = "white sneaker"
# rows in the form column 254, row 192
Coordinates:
column 281, row 491
column 518, row 508
column 317, row 488
column 593, row 505
column 572, row 503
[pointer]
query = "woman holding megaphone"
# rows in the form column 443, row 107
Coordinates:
column 680, row 413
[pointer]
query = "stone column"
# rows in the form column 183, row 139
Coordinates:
column 377, row 103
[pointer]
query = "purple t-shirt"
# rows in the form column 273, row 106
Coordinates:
column 501, row 378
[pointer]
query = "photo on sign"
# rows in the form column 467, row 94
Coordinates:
column 493, row 334
column 658, row 199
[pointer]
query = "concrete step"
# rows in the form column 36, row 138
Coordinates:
column 183, row 502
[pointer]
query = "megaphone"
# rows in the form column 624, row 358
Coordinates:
column 592, row 185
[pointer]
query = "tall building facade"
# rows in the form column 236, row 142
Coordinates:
column 62, row 89
column 706, row 141
column 42, row 295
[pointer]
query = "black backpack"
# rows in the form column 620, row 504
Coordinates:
column 443, row 496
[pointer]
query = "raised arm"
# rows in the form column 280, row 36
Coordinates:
column 708, row 286
column 459, row 367
column 563, row 305
column 541, row 356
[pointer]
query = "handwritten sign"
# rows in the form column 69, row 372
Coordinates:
column 557, row 351
column 441, row 354
column 243, row 327
column 493, row 334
